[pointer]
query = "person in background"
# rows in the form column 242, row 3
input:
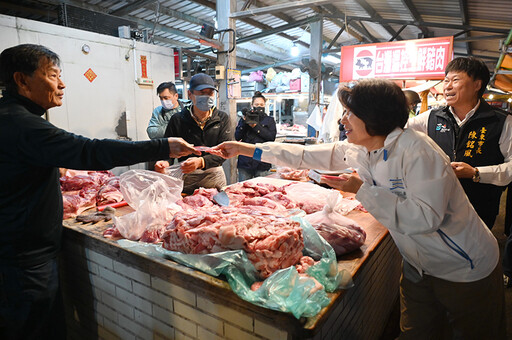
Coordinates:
column 161, row 115
column 451, row 273
column 476, row 137
column 31, row 209
column 200, row 124
column 343, row 134
column 251, row 130
column 413, row 99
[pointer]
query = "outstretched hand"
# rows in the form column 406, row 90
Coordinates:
column 232, row 149
column 344, row 182
column 179, row 148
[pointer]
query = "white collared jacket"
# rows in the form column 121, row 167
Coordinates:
column 409, row 187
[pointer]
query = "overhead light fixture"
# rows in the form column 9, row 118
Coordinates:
column 509, row 100
column 491, row 96
column 294, row 51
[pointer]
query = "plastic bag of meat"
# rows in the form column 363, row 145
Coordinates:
column 153, row 196
column 342, row 233
column 300, row 292
column 312, row 198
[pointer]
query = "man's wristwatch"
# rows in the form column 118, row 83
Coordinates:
column 476, row 176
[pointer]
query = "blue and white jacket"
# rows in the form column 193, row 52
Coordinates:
column 409, row 187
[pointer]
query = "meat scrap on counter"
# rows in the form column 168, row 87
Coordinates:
column 82, row 190
column 293, row 174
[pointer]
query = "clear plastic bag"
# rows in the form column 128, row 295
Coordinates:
column 341, row 232
column 152, row 195
column 285, row 290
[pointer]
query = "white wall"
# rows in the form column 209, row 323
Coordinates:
column 93, row 108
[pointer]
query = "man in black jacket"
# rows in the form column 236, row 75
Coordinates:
column 476, row 137
column 200, row 124
column 31, row 152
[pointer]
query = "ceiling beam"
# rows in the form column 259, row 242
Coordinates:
column 333, row 10
column 278, row 8
column 336, row 37
column 172, row 42
column 428, row 24
column 477, row 55
column 373, row 14
column 415, row 14
column 465, row 21
column 481, row 37
column 126, row 9
column 339, row 23
column 247, row 4
column 252, row 22
column 287, row 19
column 398, row 32
column 281, row 63
column 277, row 29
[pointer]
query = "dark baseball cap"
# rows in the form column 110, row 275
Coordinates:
column 200, row 82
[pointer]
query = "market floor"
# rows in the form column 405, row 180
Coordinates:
column 392, row 330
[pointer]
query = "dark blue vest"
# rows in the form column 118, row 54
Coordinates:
column 475, row 143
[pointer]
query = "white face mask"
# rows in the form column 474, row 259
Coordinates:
column 167, row 104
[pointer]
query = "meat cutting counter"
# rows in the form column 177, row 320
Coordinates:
column 111, row 292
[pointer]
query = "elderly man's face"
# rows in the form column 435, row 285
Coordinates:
column 460, row 89
column 45, row 87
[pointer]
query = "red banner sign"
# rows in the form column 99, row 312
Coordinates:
column 408, row 59
column 177, row 64
column 144, row 66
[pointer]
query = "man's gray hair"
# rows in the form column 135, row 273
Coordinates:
column 24, row 58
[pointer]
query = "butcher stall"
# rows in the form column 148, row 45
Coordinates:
column 115, row 291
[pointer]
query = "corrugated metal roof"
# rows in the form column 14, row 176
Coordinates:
column 496, row 14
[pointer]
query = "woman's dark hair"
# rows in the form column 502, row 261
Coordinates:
column 379, row 103
column 167, row 85
column 473, row 67
column 257, row 94
column 25, row 58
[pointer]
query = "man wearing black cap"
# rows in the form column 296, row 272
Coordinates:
column 200, row 124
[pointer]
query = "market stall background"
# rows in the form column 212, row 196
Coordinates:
column 266, row 30
column 127, row 64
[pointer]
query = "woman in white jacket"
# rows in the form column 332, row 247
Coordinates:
column 451, row 274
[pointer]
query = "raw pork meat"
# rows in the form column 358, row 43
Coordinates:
column 74, row 204
column 271, row 242
column 108, row 194
column 91, row 188
column 293, row 174
column 77, row 182
column 342, row 233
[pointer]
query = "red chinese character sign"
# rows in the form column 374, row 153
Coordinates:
column 408, row 59
column 144, row 66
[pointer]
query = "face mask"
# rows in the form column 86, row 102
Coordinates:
column 204, row 103
column 167, row 104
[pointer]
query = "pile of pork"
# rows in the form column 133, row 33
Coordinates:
column 271, row 242
column 198, row 227
column 82, row 190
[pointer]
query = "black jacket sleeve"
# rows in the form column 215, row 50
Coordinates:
column 268, row 131
column 241, row 129
column 44, row 144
